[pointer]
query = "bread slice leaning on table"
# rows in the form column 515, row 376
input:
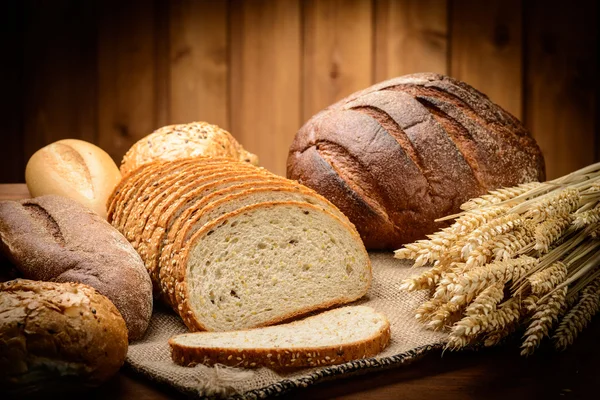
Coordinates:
column 265, row 263
column 333, row 337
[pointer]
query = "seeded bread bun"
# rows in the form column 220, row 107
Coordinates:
column 75, row 169
column 57, row 337
column 185, row 140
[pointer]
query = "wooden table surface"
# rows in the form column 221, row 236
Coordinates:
column 497, row 373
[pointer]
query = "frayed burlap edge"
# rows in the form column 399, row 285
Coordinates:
column 342, row 371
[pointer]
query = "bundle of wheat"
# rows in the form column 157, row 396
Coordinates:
column 522, row 257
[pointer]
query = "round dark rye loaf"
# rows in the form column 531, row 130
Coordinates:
column 52, row 238
column 404, row 152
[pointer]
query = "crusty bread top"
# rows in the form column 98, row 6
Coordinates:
column 51, row 330
column 331, row 337
column 185, row 140
column 401, row 153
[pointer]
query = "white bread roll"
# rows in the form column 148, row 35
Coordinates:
column 75, row 169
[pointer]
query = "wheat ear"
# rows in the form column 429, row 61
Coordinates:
column 579, row 316
column 558, row 205
column 545, row 316
column 497, row 196
column 544, row 281
column 465, row 287
column 583, row 219
column 468, row 328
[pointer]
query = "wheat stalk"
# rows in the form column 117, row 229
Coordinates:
column 544, row 281
column 545, row 316
column 498, row 196
column 579, row 316
column 515, row 257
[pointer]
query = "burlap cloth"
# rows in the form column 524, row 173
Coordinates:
column 151, row 356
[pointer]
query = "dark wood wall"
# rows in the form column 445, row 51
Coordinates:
column 112, row 71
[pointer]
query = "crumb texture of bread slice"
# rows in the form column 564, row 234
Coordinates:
column 267, row 262
column 332, row 337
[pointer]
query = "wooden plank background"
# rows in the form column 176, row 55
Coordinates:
column 112, row 71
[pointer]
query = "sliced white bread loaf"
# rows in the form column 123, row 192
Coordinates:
column 332, row 337
column 265, row 263
column 235, row 201
column 150, row 236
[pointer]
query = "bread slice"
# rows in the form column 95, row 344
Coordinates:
column 146, row 242
column 131, row 182
column 265, row 263
column 154, row 189
column 117, row 191
column 137, row 184
column 166, row 191
column 332, row 337
column 232, row 202
column 148, row 179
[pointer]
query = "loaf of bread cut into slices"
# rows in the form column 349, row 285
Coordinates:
column 332, row 337
column 217, row 208
column 265, row 263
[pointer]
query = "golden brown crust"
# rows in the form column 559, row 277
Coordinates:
column 57, row 334
column 279, row 358
column 136, row 201
column 75, row 169
column 123, row 183
column 185, row 140
column 404, row 152
column 177, row 279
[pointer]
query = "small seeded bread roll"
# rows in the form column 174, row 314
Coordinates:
column 174, row 142
column 75, row 169
column 57, row 337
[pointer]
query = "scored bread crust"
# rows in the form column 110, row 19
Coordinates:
column 282, row 357
column 398, row 155
column 178, row 277
column 196, row 139
column 53, row 238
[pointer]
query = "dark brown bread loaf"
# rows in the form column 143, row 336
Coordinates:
column 57, row 337
column 404, row 152
column 53, row 238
